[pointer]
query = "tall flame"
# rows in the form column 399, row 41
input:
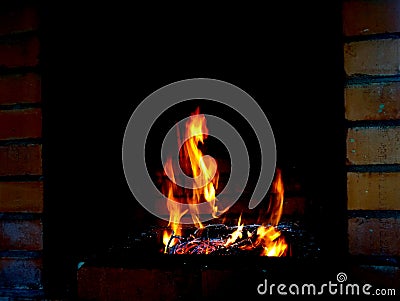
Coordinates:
column 276, row 202
column 203, row 170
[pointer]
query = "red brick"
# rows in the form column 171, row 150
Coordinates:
column 377, row 276
column 373, row 145
column 364, row 17
column 373, row 57
column 21, row 273
column 16, row 124
column 21, row 160
column 19, row 52
column 21, row 197
column 20, row 88
column 108, row 283
column 373, row 102
column 217, row 282
column 294, row 205
column 19, row 19
column 374, row 236
column 373, row 191
column 21, row 235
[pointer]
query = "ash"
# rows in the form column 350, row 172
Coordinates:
column 212, row 240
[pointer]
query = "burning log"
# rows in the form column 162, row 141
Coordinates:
column 219, row 239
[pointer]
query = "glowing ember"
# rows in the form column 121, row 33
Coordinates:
column 264, row 238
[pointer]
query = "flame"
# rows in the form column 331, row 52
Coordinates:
column 174, row 208
column 272, row 242
column 236, row 234
column 276, row 202
column 203, row 170
column 268, row 236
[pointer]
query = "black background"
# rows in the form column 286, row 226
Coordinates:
column 100, row 61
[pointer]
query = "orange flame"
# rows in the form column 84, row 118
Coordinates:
column 174, row 208
column 268, row 236
column 238, row 233
column 276, row 203
column 272, row 242
column 203, row 170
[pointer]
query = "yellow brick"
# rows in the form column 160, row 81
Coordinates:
column 373, row 57
column 373, row 145
column 373, row 102
column 373, row 191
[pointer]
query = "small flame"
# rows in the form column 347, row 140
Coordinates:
column 272, row 242
column 174, row 208
column 166, row 238
column 236, row 234
column 276, row 203
column 267, row 235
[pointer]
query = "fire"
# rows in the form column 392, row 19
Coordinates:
column 174, row 209
column 267, row 235
column 204, row 171
column 272, row 242
column 276, row 203
column 236, row 234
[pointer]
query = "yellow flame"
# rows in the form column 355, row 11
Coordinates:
column 238, row 233
column 272, row 242
column 174, row 208
column 267, row 235
column 203, row 171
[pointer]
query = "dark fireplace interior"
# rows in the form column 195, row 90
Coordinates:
column 95, row 73
column 94, row 76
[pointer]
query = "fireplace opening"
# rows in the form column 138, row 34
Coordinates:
column 292, row 220
column 295, row 231
column 92, row 218
column 229, row 230
column 122, row 234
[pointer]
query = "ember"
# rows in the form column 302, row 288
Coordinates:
column 219, row 239
column 263, row 239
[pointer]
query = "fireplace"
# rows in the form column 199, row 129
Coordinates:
column 109, row 242
column 70, row 81
column 173, row 253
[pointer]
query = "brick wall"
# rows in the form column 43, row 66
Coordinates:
column 372, row 110
column 21, row 184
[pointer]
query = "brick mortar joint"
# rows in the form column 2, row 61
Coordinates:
column 19, row 35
